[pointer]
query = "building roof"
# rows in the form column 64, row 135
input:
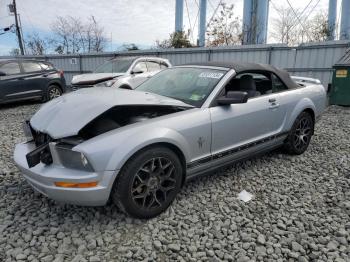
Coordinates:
column 4, row 60
column 345, row 59
column 241, row 67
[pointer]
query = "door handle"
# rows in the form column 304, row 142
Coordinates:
column 272, row 100
column 274, row 105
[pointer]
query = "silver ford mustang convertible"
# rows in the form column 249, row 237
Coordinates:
column 138, row 147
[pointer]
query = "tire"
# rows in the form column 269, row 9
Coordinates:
column 53, row 92
column 148, row 182
column 299, row 136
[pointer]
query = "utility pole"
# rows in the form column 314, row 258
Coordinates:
column 18, row 32
column 202, row 25
column 179, row 13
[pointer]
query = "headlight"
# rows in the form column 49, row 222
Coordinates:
column 71, row 159
column 108, row 83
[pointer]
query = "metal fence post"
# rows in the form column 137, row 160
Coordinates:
column 80, row 64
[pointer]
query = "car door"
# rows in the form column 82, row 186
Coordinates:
column 139, row 74
column 34, row 78
column 10, row 83
column 238, row 125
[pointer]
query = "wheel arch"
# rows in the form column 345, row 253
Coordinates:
column 176, row 149
column 168, row 145
column 55, row 83
column 304, row 105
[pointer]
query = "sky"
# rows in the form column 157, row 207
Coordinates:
column 124, row 21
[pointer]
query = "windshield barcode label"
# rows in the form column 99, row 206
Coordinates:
column 211, row 75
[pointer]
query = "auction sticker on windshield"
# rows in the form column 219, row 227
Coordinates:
column 211, row 75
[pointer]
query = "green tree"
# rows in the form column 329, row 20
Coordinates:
column 225, row 29
column 130, row 47
column 178, row 39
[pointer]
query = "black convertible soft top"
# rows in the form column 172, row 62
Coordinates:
column 241, row 67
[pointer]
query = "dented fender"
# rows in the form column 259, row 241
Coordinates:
column 121, row 144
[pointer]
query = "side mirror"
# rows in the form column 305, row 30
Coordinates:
column 233, row 97
column 2, row 73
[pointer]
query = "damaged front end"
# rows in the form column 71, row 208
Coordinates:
column 60, row 151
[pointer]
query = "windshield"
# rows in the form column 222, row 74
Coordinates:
column 190, row 85
column 115, row 66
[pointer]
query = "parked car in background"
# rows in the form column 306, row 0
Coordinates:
column 139, row 147
column 30, row 79
column 125, row 72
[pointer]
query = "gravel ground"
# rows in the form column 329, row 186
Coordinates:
column 300, row 212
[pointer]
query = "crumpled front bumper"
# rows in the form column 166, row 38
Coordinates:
column 42, row 178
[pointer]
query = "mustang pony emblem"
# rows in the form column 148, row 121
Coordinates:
column 200, row 142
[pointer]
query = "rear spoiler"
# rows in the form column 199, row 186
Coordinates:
column 306, row 80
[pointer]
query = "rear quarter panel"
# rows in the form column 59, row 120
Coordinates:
column 297, row 100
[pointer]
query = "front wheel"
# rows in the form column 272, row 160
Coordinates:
column 53, row 92
column 299, row 136
column 148, row 183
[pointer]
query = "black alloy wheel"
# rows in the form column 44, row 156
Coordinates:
column 153, row 183
column 148, row 183
column 300, row 135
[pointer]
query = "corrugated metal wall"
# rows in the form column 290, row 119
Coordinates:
column 312, row 60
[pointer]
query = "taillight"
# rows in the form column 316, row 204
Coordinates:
column 61, row 73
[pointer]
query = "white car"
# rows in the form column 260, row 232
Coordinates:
column 126, row 72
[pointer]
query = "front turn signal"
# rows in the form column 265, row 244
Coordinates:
column 76, row 185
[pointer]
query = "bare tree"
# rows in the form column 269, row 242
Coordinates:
column 284, row 28
column 225, row 29
column 15, row 52
column 292, row 30
column 317, row 28
column 94, row 36
column 74, row 36
column 35, row 45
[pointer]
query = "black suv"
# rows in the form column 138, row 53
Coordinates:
column 30, row 79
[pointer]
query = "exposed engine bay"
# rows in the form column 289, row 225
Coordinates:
column 125, row 115
column 113, row 118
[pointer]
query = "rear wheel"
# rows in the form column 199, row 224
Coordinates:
column 300, row 135
column 53, row 92
column 148, row 183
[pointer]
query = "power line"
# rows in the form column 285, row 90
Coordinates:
column 306, row 16
column 216, row 9
column 211, row 4
column 302, row 12
column 300, row 22
column 189, row 19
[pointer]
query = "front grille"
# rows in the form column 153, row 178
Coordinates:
column 42, row 151
column 41, row 138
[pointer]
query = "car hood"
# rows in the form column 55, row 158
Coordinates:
column 66, row 115
column 94, row 78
